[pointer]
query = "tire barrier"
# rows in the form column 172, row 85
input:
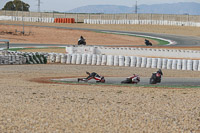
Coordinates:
column 141, row 52
column 63, row 58
column 110, row 60
column 69, row 57
column 127, row 61
column 115, row 60
column 184, row 64
column 104, row 60
column 159, row 65
column 64, row 20
column 154, row 63
column 169, row 64
column 195, row 65
column 94, row 59
column 89, row 59
column 99, row 59
column 139, row 62
column 144, row 62
column 9, row 57
column 73, row 60
column 78, row 59
column 174, row 64
column 149, row 62
column 142, row 22
column 133, row 61
column 179, row 64
column 189, row 64
column 121, row 60
column 84, row 59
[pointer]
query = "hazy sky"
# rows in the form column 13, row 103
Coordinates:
column 65, row 5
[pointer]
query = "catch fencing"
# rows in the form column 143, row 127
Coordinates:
column 79, row 17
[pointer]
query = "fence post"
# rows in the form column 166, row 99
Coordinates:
column 77, row 18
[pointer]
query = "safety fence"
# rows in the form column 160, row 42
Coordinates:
column 79, row 17
column 9, row 57
column 127, row 61
column 142, row 22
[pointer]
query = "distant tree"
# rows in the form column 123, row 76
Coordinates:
column 16, row 5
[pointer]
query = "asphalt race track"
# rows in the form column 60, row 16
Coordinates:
column 144, row 81
column 179, row 40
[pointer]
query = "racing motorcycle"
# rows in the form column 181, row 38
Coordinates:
column 155, row 78
column 81, row 42
column 148, row 43
column 132, row 80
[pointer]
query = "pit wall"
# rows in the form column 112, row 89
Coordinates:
column 127, row 61
column 142, row 52
column 142, row 22
column 9, row 58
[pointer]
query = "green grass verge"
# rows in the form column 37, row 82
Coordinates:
column 129, row 85
column 160, row 42
column 18, row 49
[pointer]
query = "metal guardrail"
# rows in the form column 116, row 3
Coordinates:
column 6, row 42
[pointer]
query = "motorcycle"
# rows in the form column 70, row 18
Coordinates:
column 131, row 81
column 155, row 78
column 148, row 43
column 81, row 42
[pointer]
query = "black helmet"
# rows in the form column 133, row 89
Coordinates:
column 102, row 79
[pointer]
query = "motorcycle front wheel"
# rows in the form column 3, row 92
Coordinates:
column 152, row 81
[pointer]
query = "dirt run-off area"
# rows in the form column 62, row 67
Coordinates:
column 29, row 105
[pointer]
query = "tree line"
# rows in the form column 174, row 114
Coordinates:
column 16, row 5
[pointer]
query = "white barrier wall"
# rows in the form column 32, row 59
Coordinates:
column 27, row 19
column 142, row 22
column 142, row 52
column 128, row 61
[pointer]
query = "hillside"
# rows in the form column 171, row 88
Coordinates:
column 190, row 8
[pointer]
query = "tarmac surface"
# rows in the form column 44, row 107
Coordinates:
column 177, row 39
column 166, row 81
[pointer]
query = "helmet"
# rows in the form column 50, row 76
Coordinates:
column 102, row 80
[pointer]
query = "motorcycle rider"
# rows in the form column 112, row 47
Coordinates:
column 134, row 78
column 147, row 42
column 93, row 75
column 81, row 40
column 159, row 73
